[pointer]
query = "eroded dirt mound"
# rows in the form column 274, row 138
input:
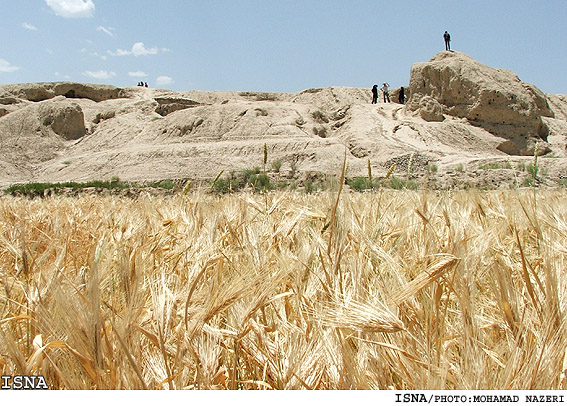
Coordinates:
column 455, row 84
column 457, row 120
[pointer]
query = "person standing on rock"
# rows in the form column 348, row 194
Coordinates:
column 385, row 89
column 402, row 95
column 447, row 38
column 374, row 94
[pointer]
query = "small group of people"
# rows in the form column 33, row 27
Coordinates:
column 386, row 93
column 401, row 95
column 142, row 84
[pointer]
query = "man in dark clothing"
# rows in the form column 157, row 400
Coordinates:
column 402, row 96
column 374, row 94
column 447, row 38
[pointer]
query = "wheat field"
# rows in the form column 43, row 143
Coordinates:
column 384, row 290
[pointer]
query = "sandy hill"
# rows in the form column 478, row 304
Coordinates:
column 460, row 116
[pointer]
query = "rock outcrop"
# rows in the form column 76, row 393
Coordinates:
column 167, row 105
column 460, row 115
column 65, row 118
column 36, row 92
column 430, row 109
column 494, row 99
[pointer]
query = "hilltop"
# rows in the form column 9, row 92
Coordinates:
column 464, row 124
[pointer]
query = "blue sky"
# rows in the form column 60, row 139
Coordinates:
column 265, row 45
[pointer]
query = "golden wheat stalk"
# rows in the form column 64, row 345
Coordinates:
column 351, row 314
column 390, row 171
column 431, row 274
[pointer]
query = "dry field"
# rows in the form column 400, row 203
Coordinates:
column 385, row 290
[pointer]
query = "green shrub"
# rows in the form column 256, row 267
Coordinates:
column 532, row 170
column 308, row 186
column 224, row 186
column 277, row 165
column 293, row 168
column 432, row 168
column 167, row 184
column 530, row 182
column 359, row 183
column 496, row 165
column 263, row 183
column 399, row 184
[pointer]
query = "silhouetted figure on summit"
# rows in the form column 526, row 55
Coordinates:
column 402, row 95
column 447, row 38
column 374, row 94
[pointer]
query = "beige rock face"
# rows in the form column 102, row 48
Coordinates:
column 430, row 109
column 494, row 99
column 55, row 132
column 64, row 117
column 37, row 92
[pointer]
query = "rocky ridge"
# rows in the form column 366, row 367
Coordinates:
column 454, row 84
column 460, row 116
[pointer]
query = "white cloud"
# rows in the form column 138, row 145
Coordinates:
column 103, row 57
column 29, row 26
column 120, row 52
column 106, row 30
column 164, row 81
column 6, row 66
column 59, row 75
column 72, row 8
column 138, row 49
column 101, row 74
column 96, row 55
column 138, row 74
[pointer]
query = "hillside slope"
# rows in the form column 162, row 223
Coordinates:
column 69, row 131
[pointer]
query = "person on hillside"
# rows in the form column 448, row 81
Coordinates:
column 447, row 38
column 374, row 94
column 146, row 84
column 386, row 91
column 402, row 96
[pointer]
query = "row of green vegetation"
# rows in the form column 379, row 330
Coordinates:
column 248, row 179
column 36, row 188
column 258, row 180
column 531, row 169
column 362, row 183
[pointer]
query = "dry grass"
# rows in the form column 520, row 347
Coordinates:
column 390, row 290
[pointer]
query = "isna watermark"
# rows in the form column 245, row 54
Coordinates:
column 23, row 382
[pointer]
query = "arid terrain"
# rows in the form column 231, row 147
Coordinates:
column 465, row 124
